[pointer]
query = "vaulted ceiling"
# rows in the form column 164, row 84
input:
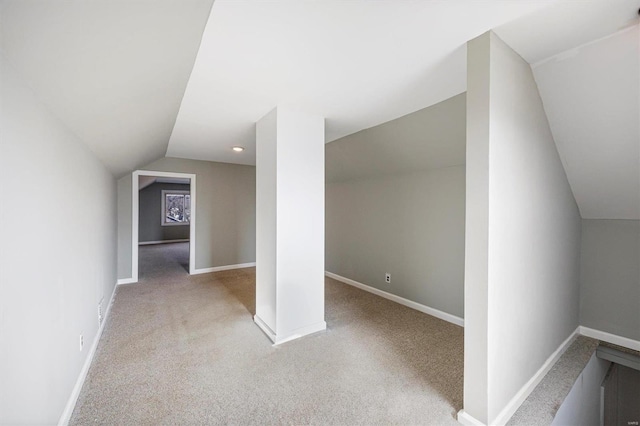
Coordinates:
column 113, row 71
column 586, row 61
column 592, row 98
column 357, row 63
column 137, row 80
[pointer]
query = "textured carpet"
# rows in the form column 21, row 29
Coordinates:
column 180, row 349
column 543, row 403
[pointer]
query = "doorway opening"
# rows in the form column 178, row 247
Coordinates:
column 163, row 214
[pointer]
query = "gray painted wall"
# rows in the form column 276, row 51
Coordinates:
column 395, row 197
column 226, row 212
column 58, row 256
column 610, row 276
column 409, row 225
column 150, row 216
column 525, row 230
column 428, row 139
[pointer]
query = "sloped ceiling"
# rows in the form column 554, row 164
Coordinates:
column 120, row 74
column 565, row 25
column 113, row 71
column 592, row 99
column 586, row 62
column 357, row 63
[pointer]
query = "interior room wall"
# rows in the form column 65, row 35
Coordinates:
column 610, row 276
column 395, row 199
column 225, row 217
column 526, row 297
column 150, row 214
column 124, row 226
column 58, row 257
column 408, row 225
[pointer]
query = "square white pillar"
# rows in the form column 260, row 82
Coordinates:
column 522, row 248
column 289, row 224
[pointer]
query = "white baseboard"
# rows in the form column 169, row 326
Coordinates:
column 150, row 243
column 300, row 332
column 122, row 281
column 509, row 410
column 611, row 338
column 295, row 334
column 468, row 420
column 75, row 393
column 222, row 268
column 401, row 300
column 265, row 328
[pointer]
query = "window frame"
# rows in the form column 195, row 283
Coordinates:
column 163, row 215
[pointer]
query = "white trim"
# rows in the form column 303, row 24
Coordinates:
column 401, row 300
column 265, row 328
column 222, row 268
column 135, row 207
column 503, row 417
column 468, row 420
column 65, row 418
column 611, row 338
column 150, row 243
column 301, row 332
column 292, row 335
column 123, row 281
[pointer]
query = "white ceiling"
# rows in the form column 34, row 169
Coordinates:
column 566, row 24
column 592, row 99
column 113, row 71
column 120, row 74
column 358, row 63
column 586, row 62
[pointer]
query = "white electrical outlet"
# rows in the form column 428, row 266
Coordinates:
column 387, row 278
column 81, row 342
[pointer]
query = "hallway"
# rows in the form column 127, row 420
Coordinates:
column 180, row 349
column 163, row 260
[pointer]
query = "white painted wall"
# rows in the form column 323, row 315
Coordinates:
column 610, row 276
column 531, row 302
column 225, row 215
column 58, row 257
column 476, row 272
column 300, row 221
column 266, row 219
column 290, row 194
column 534, row 232
column 582, row 405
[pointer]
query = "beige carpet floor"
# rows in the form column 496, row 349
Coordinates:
column 180, row 349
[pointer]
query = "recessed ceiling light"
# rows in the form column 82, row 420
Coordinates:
column 238, row 148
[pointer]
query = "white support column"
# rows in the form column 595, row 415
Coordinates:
column 522, row 247
column 289, row 224
column 476, row 274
